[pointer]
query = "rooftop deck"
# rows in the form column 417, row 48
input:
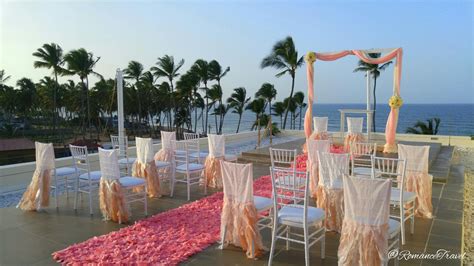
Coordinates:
column 31, row 237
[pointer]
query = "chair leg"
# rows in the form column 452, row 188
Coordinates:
column 67, row 188
column 189, row 186
column 306, row 245
column 224, row 231
column 287, row 236
column 145, row 202
column 90, row 198
column 56, row 191
column 402, row 223
column 323, row 245
column 272, row 248
column 76, row 194
column 412, row 229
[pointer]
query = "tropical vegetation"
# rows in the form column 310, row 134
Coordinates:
column 429, row 128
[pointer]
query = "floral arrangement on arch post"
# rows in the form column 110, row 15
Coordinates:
column 395, row 102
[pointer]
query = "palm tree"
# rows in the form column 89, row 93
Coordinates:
column 135, row 71
column 26, row 96
column 290, row 102
column 3, row 77
column 201, row 68
column 50, row 56
column 80, row 62
column 166, row 67
column 430, row 128
column 374, row 70
column 268, row 93
column 237, row 101
column 215, row 95
column 279, row 109
column 258, row 107
column 284, row 56
column 299, row 101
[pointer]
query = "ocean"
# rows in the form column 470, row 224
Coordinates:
column 456, row 119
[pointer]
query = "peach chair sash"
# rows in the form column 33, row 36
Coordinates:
column 167, row 146
column 113, row 204
column 330, row 197
column 417, row 178
column 144, row 166
column 239, row 214
column 36, row 195
column 364, row 235
column 315, row 146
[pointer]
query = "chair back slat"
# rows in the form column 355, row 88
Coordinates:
column 181, row 153
column 120, row 144
column 80, row 157
column 282, row 158
column 190, row 136
column 289, row 187
column 361, row 154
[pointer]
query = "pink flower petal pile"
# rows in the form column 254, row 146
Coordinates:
column 167, row 238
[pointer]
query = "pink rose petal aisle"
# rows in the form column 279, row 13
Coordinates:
column 167, row 238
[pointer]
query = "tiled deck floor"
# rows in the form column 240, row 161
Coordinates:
column 29, row 238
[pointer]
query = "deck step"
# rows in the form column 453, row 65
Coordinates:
column 442, row 164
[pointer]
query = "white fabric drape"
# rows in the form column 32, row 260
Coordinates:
column 355, row 124
column 364, row 235
column 212, row 169
column 320, row 124
column 36, row 195
column 239, row 214
column 417, row 178
column 312, row 165
column 145, row 167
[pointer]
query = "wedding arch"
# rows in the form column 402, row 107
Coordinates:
column 395, row 101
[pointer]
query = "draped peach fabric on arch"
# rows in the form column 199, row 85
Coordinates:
column 392, row 121
column 145, row 167
column 36, row 195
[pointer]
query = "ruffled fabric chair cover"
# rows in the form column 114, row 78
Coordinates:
column 239, row 214
column 145, row 167
column 364, row 235
column 212, row 168
column 36, row 195
column 320, row 125
column 354, row 131
column 165, row 154
column 312, row 165
column 330, row 197
column 417, row 178
column 113, row 204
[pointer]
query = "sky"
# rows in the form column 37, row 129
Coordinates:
column 436, row 37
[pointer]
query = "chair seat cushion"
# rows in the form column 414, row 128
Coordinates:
column 129, row 160
column 64, row 171
column 365, row 171
column 393, row 227
column 130, row 181
column 407, row 196
column 200, row 154
column 262, row 203
column 162, row 164
column 95, row 175
column 293, row 215
column 191, row 167
column 230, row 157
